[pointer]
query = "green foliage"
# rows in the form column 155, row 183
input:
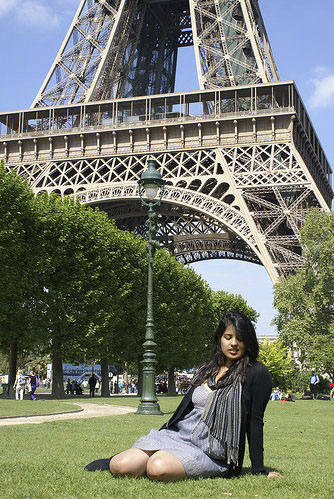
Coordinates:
column 223, row 302
column 119, row 318
column 91, row 277
column 298, row 381
column 323, row 386
column 19, row 257
column 4, row 364
column 304, row 301
column 187, row 312
column 321, row 352
column 275, row 358
column 182, row 313
column 28, row 359
column 69, row 277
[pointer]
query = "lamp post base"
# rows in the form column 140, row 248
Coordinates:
column 149, row 409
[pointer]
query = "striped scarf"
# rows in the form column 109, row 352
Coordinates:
column 222, row 415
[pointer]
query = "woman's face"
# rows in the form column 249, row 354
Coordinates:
column 232, row 348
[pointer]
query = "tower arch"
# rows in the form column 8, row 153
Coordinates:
column 230, row 235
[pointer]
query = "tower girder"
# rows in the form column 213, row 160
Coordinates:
column 118, row 48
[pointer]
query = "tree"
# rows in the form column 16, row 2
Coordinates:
column 87, row 275
column 274, row 356
column 179, row 296
column 305, row 301
column 187, row 312
column 119, row 320
column 20, row 266
column 181, row 314
column 223, row 302
column 67, row 271
column 4, row 364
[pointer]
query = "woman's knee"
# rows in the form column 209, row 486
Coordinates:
column 131, row 462
column 165, row 468
column 156, row 469
column 119, row 465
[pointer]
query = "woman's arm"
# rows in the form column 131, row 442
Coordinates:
column 260, row 390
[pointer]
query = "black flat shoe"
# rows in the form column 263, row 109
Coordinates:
column 98, row 465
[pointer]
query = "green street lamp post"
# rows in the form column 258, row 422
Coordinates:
column 151, row 186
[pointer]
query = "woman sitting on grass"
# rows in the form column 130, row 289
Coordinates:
column 205, row 437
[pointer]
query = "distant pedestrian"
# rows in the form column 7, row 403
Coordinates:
column 69, row 389
column 77, row 388
column 34, row 383
column 19, row 385
column 314, row 380
column 331, row 389
column 92, row 383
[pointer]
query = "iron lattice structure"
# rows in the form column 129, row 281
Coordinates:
column 242, row 161
column 125, row 48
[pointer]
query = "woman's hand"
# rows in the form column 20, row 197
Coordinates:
column 274, row 474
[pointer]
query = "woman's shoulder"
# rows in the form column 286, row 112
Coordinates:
column 258, row 380
column 257, row 369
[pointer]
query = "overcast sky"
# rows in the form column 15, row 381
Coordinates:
column 300, row 33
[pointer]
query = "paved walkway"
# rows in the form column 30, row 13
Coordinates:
column 85, row 410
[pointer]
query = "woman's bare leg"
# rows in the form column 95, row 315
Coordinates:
column 165, row 467
column 131, row 462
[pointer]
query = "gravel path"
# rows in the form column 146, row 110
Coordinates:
column 85, row 410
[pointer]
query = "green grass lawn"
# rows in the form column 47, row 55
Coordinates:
column 47, row 460
column 10, row 408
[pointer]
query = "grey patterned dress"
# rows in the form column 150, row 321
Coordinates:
column 200, row 454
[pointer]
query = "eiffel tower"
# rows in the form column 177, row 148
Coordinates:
column 241, row 158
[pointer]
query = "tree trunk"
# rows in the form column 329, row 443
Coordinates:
column 125, row 378
column 140, row 375
column 58, row 391
column 171, row 382
column 12, row 368
column 105, row 391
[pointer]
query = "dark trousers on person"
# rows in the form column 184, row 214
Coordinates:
column 33, row 388
column 313, row 389
column 91, row 392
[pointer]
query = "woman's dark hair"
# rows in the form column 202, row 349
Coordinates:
column 246, row 333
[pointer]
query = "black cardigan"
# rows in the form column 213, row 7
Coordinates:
column 255, row 395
